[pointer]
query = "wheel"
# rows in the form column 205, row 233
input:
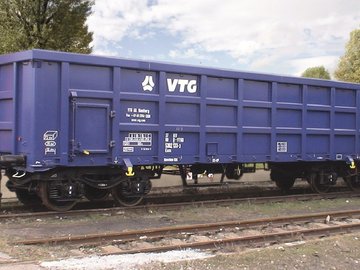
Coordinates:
column 46, row 191
column 27, row 198
column 125, row 200
column 283, row 181
column 317, row 184
column 233, row 172
column 95, row 194
column 131, row 192
column 353, row 182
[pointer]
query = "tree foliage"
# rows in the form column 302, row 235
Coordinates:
column 349, row 65
column 45, row 24
column 318, row 72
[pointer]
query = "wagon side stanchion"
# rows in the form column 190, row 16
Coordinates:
column 0, row 186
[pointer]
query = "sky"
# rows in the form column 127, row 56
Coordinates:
column 267, row 36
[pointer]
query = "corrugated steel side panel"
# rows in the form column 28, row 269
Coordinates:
column 7, row 86
column 80, row 110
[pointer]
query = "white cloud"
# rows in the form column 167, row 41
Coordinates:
column 257, row 32
column 189, row 53
column 112, row 20
column 300, row 65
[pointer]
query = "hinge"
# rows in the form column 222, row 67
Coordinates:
column 112, row 144
column 73, row 94
column 112, row 114
column 73, row 99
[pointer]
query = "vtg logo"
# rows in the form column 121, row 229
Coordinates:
column 181, row 84
column 148, row 83
column 189, row 85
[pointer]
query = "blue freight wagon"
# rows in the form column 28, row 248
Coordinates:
column 74, row 125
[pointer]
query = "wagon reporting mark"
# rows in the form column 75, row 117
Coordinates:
column 173, row 141
column 142, row 140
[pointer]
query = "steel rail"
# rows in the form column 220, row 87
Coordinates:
column 246, row 240
column 114, row 210
column 173, row 230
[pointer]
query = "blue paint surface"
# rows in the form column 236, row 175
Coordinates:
column 62, row 109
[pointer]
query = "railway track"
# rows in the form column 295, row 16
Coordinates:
column 216, row 235
column 165, row 194
column 177, row 194
column 177, row 205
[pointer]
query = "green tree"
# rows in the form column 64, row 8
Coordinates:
column 349, row 65
column 316, row 72
column 45, row 24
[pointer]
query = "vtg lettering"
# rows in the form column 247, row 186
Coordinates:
column 188, row 85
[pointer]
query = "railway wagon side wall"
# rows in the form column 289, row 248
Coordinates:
column 16, row 107
column 241, row 119
column 6, row 108
column 96, row 111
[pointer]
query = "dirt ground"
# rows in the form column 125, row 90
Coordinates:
column 340, row 252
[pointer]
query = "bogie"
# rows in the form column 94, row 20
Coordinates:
column 27, row 197
column 130, row 191
column 62, row 188
column 58, row 196
column 95, row 194
column 321, row 182
column 283, row 181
